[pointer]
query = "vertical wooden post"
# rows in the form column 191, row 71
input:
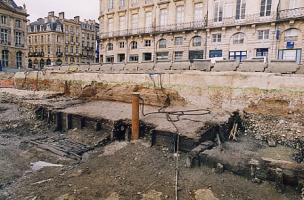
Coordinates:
column 135, row 116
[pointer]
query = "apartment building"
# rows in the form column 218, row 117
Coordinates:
column 13, row 46
column 55, row 40
column 181, row 30
column 89, row 41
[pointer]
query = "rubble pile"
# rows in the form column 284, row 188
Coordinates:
column 273, row 129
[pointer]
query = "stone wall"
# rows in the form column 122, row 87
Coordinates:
column 220, row 90
column 275, row 66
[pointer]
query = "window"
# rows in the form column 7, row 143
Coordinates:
column 121, row 45
column 122, row 23
column 262, row 52
column 147, row 56
column 148, row 21
column 238, row 38
column 134, row 23
column 18, row 23
column 49, row 49
column 178, row 41
column 133, row 58
column 240, row 9
column 133, row 45
column 110, row 47
column 180, row 14
column 215, row 53
column 110, row 59
column 147, row 43
column 293, row 4
column 265, row 8
column 122, row 3
column 3, row 19
column 292, row 35
column 5, row 58
column 162, row 43
column 110, row 4
column 197, row 41
column 178, row 55
column 237, row 55
column 110, row 25
column 121, row 57
column 263, row 34
column 198, row 12
column 196, row 55
column 163, row 17
column 4, row 36
column 18, row 37
column 162, row 55
column 218, row 11
column 216, row 38
column 19, row 59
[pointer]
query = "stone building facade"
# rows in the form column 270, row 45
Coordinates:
column 13, row 45
column 55, row 40
column 182, row 30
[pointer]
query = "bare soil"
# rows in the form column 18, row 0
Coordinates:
column 117, row 171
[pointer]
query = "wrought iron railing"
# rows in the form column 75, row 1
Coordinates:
column 249, row 19
column 292, row 13
column 156, row 29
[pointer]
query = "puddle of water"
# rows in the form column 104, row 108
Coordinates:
column 36, row 166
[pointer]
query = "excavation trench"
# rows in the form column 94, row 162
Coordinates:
column 222, row 146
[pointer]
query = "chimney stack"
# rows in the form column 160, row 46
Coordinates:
column 77, row 18
column 51, row 14
column 61, row 15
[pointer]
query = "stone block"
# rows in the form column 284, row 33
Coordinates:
column 282, row 67
column 84, row 68
column 146, row 66
column 184, row 65
column 95, row 68
column 252, row 66
column 131, row 67
column 106, row 68
column 161, row 66
column 225, row 65
column 118, row 67
column 64, row 68
column 202, row 65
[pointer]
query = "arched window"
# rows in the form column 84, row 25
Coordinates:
column 41, row 63
column 133, row 45
column 5, row 58
column 110, row 47
column 238, row 38
column 19, row 59
column 48, row 62
column 197, row 41
column 30, row 63
column 162, row 43
column 292, row 35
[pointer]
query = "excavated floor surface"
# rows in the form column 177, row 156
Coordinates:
column 188, row 125
column 117, row 171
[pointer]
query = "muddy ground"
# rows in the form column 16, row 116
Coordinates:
column 119, row 170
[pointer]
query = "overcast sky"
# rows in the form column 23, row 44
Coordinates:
column 86, row 9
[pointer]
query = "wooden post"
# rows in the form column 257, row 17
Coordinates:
column 135, row 116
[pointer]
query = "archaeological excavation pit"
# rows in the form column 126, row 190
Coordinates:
column 254, row 152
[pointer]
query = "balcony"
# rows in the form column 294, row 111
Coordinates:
column 249, row 19
column 5, row 42
column 157, row 29
column 36, row 54
column 148, row 2
column 59, row 54
column 19, row 45
column 292, row 13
